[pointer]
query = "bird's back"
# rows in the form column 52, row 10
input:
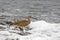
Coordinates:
column 23, row 23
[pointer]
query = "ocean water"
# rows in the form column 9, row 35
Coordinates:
column 48, row 10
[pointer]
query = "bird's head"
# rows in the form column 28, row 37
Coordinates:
column 29, row 18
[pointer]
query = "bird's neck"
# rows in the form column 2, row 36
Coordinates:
column 29, row 20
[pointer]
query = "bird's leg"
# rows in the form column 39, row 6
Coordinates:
column 21, row 28
column 24, row 30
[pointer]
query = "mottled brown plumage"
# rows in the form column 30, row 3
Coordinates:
column 23, row 23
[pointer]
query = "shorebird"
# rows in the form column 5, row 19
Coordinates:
column 23, row 23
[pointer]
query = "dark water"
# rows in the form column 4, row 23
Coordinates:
column 48, row 10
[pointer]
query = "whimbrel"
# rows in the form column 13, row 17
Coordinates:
column 23, row 23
